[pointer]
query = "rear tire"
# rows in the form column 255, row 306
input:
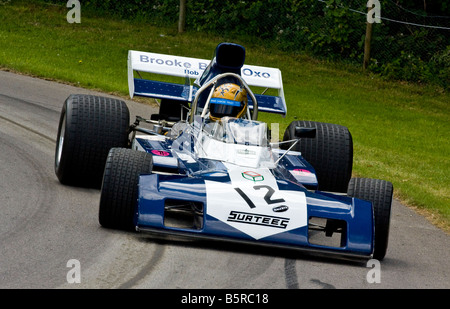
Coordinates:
column 119, row 193
column 330, row 153
column 89, row 127
column 380, row 193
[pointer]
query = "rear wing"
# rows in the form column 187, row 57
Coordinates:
column 193, row 68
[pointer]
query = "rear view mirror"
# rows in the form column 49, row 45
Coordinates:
column 303, row 132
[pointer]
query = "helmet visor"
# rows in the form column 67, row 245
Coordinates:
column 220, row 107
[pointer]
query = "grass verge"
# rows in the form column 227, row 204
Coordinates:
column 400, row 130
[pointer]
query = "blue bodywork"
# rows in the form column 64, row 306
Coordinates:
column 189, row 185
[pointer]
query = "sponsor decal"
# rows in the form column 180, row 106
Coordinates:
column 246, row 152
column 172, row 62
column 160, row 153
column 254, row 73
column 192, row 66
column 258, row 219
column 301, row 172
column 281, row 208
column 253, row 176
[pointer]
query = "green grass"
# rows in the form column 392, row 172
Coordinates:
column 400, row 130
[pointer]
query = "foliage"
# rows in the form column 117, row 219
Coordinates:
column 327, row 29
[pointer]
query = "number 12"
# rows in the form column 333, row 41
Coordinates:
column 267, row 196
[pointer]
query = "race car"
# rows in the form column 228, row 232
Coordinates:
column 206, row 167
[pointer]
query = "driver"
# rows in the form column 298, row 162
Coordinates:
column 228, row 100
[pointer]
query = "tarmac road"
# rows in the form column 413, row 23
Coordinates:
column 44, row 226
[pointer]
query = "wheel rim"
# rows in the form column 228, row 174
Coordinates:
column 60, row 143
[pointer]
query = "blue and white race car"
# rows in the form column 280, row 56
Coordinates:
column 205, row 167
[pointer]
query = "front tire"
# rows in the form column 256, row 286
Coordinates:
column 380, row 193
column 119, row 192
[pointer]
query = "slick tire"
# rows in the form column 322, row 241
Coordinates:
column 89, row 127
column 330, row 153
column 119, row 192
column 380, row 193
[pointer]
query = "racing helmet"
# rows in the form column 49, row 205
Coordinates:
column 228, row 100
